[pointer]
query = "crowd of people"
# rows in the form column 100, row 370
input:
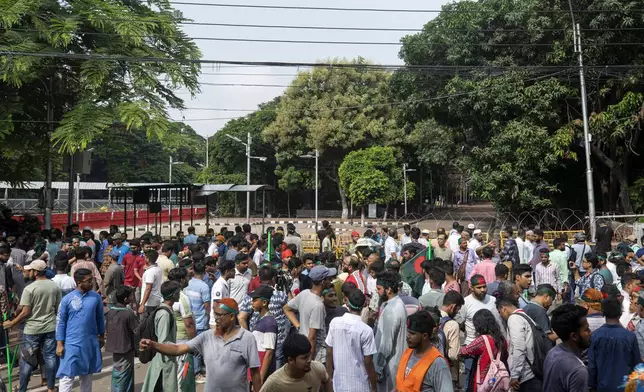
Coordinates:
column 239, row 311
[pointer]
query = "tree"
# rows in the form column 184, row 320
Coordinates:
column 373, row 175
column 122, row 156
column 227, row 163
column 513, row 87
column 83, row 61
column 334, row 110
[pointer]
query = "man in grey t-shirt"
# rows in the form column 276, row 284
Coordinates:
column 312, row 314
column 228, row 352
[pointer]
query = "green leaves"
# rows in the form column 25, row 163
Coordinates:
column 372, row 175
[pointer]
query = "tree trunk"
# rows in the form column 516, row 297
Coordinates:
column 362, row 217
column 288, row 204
column 343, row 200
column 618, row 175
column 384, row 217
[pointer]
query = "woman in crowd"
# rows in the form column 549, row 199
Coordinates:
column 488, row 329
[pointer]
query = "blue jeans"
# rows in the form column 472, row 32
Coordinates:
column 468, row 363
column 197, row 358
column 46, row 342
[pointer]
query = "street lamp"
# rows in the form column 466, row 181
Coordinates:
column 247, row 144
column 170, row 177
column 405, row 170
column 317, row 158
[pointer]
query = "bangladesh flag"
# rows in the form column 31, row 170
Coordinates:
column 412, row 273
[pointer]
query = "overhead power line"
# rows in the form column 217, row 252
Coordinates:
column 384, row 104
column 388, row 67
column 388, row 10
column 364, row 43
column 185, row 21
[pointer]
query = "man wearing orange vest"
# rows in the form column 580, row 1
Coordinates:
column 422, row 368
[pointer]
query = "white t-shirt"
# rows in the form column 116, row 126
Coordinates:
column 258, row 257
column 152, row 276
column 469, row 309
column 220, row 290
column 64, row 282
column 391, row 247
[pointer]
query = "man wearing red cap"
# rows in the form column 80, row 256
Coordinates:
column 351, row 248
column 228, row 352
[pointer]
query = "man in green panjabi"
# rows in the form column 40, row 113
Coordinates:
column 162, row 373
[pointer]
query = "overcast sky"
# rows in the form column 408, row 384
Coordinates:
column 235, row 97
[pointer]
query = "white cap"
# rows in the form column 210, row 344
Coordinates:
column 477, row 231
column 425, row 231
column 471, row 226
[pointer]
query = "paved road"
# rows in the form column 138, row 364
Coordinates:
column 101, row 381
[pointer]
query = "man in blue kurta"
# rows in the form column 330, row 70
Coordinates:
column 80, row 333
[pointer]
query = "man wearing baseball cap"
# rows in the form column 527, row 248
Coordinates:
column 311, row 309
column 351, row 247
column 39, row 303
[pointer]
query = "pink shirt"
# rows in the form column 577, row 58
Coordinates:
column 485, row 268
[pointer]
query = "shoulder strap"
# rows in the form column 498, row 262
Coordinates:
column 486, row 339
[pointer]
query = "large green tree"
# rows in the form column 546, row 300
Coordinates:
column 373, row 175
column 93, row 64
column 505, row 98
column 334, row 110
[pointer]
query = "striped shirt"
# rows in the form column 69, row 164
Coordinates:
column 547, row 274
column 351, row 340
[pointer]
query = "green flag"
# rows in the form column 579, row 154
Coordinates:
column 412, row 273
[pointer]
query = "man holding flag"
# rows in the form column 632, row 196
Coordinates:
column 411, row 270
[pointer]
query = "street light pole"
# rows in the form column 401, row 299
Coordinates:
column 405, row 170
column 317, row 159
column 207, row 152
column 405, row 187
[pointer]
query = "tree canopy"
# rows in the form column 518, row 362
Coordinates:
column 509, row 100
column 83, row 61
column 335, row 111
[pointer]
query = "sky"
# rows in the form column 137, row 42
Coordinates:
column 248, row 97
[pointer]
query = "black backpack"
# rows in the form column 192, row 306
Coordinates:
column 541, row 346
column 146, row 330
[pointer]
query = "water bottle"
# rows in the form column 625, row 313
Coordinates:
column 491, row 382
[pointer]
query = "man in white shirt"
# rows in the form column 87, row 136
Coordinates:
column 241, row 280
column 454, row 235
column 475, row 242
column 424, row 238
column 391, row 247
column 221, row 287
column 473, row 303
column 151, row 284
column 293, row 238
column 405, row 238
column 350, row 349
column 258, row 257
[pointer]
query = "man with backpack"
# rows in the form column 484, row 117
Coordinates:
column 528, row 347
column 422, row 367
column 160, row 326
column 449, row 333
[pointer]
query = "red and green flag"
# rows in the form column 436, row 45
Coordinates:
column 412, row 273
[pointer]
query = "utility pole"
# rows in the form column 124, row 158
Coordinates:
column 248, row 142
column 70, row 190
column 587, row 136
column 49, row 201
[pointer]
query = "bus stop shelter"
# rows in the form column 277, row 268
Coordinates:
column 156, row 196
column 210, row 189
